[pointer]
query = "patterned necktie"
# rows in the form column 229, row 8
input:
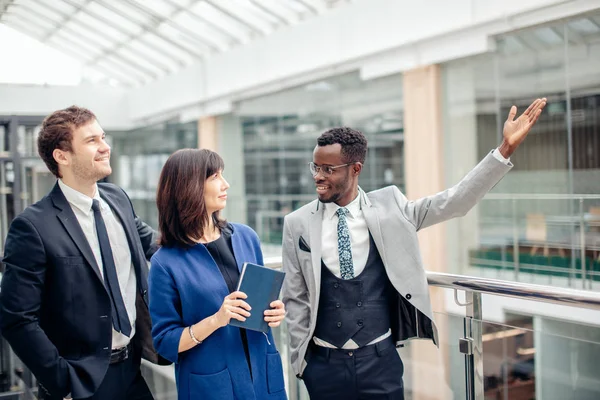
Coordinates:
column 344, row 245
column 120, row 319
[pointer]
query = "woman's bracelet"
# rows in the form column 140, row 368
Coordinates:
column 192, row 335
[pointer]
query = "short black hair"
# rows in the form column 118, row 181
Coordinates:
column 354, row 143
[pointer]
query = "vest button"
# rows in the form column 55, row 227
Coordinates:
column 408, row 296
column 336, row 285
column 359, row 304
column 339, row 324
column 359, row 322
column 337, row 305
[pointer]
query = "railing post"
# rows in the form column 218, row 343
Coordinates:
column 582, row 244
column 516, row 254
column 471, row 346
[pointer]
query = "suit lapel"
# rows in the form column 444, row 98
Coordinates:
column 315, row 226
column 69, row 221
column 372, row 219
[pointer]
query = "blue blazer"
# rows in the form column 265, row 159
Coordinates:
column 186, row 286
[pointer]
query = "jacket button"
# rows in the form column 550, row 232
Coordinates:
column 359, row 304
column 337, row 305
column 359, row 322
column 336, row 285
column 145, row 292
column 339, row 324
column 408, row 296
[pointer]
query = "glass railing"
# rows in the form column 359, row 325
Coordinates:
column 542, row 358
column 543, row 238
column 522, row 357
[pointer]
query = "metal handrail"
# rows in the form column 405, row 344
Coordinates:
column 542, row 293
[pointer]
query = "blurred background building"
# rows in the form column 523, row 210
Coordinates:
column 430, row 84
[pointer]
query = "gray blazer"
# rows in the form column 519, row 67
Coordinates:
column 393, row 221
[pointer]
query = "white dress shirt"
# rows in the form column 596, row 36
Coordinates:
column 82, row 208
column 359, row 240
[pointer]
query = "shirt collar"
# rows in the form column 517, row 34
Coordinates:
column 353, row 208
column 78, row 199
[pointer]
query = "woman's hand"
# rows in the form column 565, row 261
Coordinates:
column 276, row 314
column 233, row 307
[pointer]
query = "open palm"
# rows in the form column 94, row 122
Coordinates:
column 516, row 130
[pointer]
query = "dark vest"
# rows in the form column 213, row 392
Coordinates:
column 358, row 308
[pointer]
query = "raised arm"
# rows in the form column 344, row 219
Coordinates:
column 462, row 197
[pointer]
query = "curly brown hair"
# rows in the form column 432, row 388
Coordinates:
column 57, row 133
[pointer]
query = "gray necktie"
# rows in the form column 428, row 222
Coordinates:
column 344, row 245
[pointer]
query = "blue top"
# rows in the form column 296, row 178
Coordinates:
column 186, row 286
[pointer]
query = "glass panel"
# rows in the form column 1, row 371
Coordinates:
column 76, row 44
column 166, row 48
column 109, row 15
column 202, row 29
column 19, row 14
column 229, row 14
column 229, row 24
column 540, row 357
column 154, row 54
column 61, row 6
column 247, row 11
column 94, row 37
column 25, row 28
column 96, row 29
column 449, row 372
column 158, row 8
column 129, row 69
column 538, row 223
column 285, row 10
column 138, row 157
column 140, row 62
column 127, row 11
column 184, row 40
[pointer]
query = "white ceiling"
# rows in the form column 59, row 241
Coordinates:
column 133, row 42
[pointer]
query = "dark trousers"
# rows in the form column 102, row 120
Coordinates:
column 370, row 372
column 123, row 381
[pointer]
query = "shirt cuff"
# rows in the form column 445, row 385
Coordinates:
column 500, row 157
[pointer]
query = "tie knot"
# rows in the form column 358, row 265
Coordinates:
column 341, row 212
column 95, row 205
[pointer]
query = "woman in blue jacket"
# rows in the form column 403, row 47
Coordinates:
column 192, row 288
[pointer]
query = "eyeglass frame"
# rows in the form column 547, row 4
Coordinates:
column 319, row 168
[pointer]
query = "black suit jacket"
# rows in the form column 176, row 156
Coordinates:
column 54, row 309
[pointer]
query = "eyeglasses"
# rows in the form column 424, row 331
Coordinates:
column 325, row 170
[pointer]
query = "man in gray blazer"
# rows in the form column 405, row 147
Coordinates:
column 355, row 286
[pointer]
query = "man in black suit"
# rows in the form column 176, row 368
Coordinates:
column 73, row 302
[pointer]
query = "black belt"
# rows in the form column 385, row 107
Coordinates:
column 121, row 354
column 376, row 348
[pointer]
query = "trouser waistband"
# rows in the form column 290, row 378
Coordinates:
column 376, row 348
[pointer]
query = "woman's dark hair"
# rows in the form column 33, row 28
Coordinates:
column 182, row 214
